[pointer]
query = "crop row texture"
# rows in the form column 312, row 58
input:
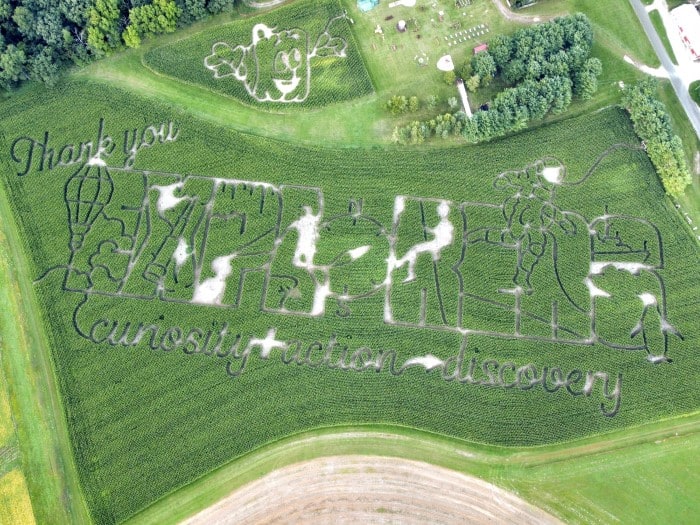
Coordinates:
column 313, row 38
column 144, row 422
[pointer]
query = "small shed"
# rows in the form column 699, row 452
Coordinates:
column 482, row 47
column 366, row 5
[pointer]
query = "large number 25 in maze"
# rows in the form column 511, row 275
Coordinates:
column 226, row 242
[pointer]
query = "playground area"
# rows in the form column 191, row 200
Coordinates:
column 403, row 41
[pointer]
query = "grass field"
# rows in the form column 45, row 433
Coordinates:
column 364, row 121
column 7, row 428
column 15, row 504
column 247, row 277
column 695, row 91
column 615, row 24
column 661, row 31
column 42, row 449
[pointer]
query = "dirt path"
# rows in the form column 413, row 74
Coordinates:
column 513, row 17
column 263, row 5
column 369, row 489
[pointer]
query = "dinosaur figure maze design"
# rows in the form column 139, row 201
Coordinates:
column 199, row 240
column 276, row 65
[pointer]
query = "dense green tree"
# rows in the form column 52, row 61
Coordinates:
column 449, row 77
column 652, row 125
column 219, row 6
column 586, row 79
column 557, row 65
column 473, row 83
column 155, row 18
column 131, row 37
column 500, row 48
column 397, row 104
column 484, row 65
column 191, row 10
column 103, row 26
column 12, row 65
column 75, row 12
column 43, row 66
column 648, row 114
column 5, row 10
column 562, row 94
column 514, row 71
column 39, row 37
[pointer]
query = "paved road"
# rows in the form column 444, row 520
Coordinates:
column 680, row 87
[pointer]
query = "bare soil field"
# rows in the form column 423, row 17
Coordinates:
column 369, row 489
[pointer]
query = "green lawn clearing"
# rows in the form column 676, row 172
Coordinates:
column 661, row 31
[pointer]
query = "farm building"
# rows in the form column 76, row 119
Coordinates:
column 366, row 5
column 687, row 18
column 482, row 47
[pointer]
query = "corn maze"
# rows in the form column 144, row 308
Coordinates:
column 288, row 59
column 207, row 292
column 211, row 241
column 197, row 240
column 293, row 57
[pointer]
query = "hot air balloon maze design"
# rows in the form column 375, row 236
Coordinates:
column 86, row 194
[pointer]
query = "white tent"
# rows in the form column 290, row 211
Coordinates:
column 687, row 18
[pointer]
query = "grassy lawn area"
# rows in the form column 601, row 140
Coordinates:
column 661, row 31
column 393, row 65
column 587, row 489
column 46, row 454
column 15, row 505
column 393, row 58
column 694, row 91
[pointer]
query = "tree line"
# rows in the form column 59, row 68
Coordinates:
column 39, row 38
column 542, row 66
column 653, row 126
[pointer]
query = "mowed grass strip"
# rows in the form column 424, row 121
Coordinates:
column 587, row 490
column 43, row 448
column 655, row 17
column 7, row 428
